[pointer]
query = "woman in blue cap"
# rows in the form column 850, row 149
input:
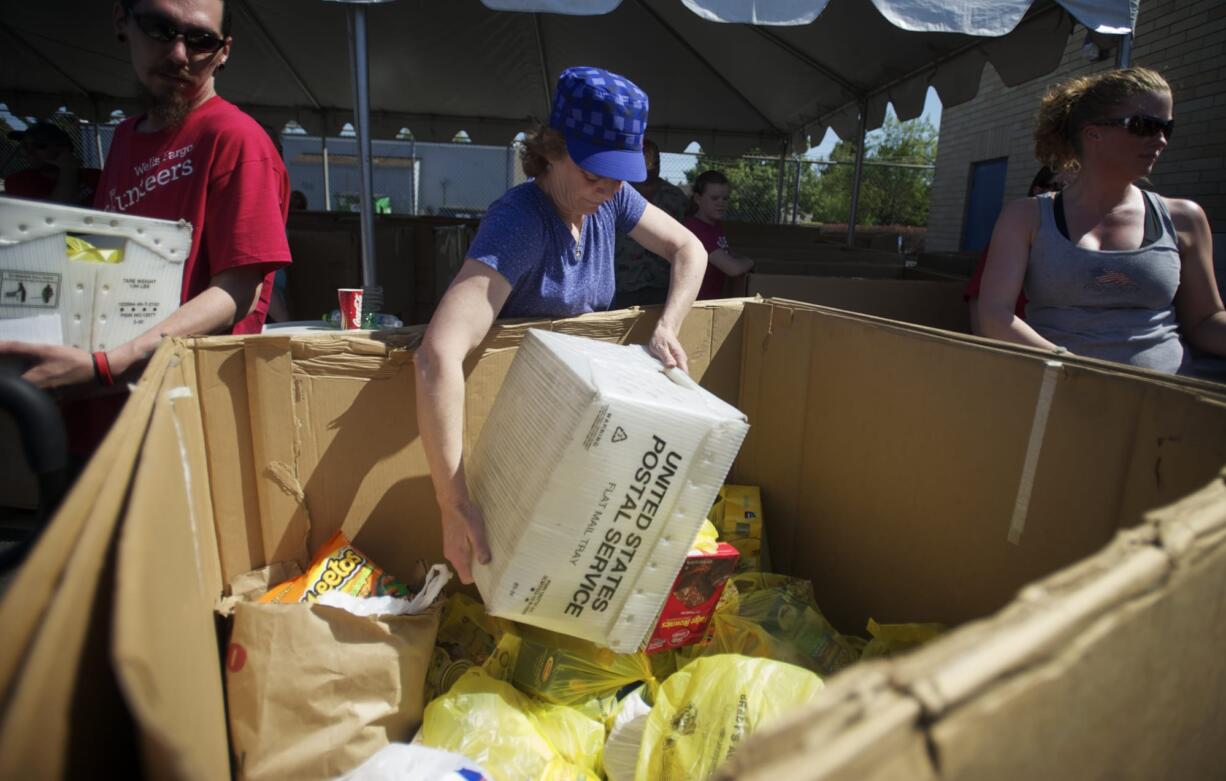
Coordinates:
column 545, row 249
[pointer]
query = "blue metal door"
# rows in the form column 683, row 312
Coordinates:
column 983, row 202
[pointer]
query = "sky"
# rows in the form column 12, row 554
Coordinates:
column 932, row 112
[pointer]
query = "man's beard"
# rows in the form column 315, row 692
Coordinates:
column 167, row 110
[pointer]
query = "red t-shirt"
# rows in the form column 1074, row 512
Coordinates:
column 34, row 183
column 712, row 238
column 972, row 287
column 219, row 171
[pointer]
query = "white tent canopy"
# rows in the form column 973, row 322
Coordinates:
column 780, row 71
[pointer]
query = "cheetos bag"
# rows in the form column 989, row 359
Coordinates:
column 312, row 691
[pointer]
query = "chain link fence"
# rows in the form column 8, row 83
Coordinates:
column 90, row 142
column 461, row 179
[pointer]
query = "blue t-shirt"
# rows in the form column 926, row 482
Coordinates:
column 523, row 238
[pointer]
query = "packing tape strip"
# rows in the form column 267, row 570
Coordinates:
column 1038, row 429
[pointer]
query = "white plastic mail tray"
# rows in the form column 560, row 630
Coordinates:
column 594, row 472
column 100, row 305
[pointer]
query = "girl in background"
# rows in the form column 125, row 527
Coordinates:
column 705, row 218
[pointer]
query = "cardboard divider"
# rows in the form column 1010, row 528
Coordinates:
column 222, row 392
column 935, row 303
column 901, row 469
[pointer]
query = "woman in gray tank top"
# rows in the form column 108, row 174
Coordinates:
column 1110, row 271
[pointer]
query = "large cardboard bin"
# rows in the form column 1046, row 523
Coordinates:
column 912, row 474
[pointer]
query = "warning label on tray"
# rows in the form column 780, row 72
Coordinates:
column 34, row 289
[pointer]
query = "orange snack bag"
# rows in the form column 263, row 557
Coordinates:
column 338, row 566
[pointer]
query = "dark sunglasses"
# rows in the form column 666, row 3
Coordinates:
column 1141, row 125
column 161, row 29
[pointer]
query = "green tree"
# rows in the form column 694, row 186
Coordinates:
column 889, row 195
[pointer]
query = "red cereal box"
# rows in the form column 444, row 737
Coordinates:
column 698, row 587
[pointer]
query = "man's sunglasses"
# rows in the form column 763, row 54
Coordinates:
column 161, row 29
column 1141, row 125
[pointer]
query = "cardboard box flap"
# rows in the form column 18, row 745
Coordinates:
column 169, row 580
column 1184, row 527
column 1135, row 693
column 1051, row 614
column 58, row 607
column 275, row 448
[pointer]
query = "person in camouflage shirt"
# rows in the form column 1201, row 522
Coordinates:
column 642, row 277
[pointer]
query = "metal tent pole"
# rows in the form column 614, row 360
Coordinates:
column 359, row 62
column 796, row 193
column 1123, row 54
column 783, row 156
column 861, row 132
column 323, row 153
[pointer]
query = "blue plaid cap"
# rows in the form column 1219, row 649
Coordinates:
column 603, row 117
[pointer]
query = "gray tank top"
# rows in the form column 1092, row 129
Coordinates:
column 1111, row 304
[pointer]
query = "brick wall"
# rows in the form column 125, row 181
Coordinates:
column 1185, row 41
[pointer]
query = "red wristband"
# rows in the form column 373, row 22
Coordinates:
column 102, row 368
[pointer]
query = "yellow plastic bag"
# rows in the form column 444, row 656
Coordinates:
column 468, row 637
column 776, row 617
column 889, row 639
column 569, row 671
column 797, row 621
column 82, row 250
column 511, row 735
column 702, row 712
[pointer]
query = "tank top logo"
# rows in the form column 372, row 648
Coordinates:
column 1108, row 278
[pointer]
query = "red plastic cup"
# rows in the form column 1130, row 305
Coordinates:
column 351, row 307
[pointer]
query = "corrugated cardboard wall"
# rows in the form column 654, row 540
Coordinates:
column 1137, row 694
column 891, row 459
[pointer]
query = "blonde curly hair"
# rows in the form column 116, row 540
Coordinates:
column 1070, row 105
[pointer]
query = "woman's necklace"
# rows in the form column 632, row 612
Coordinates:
column 579, row 241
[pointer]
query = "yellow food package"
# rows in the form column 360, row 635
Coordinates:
column 703, row 711
column 338, row 566
column 889, row 639
column 568, row 671
column 738, row 511
column 707, row 540
column 468, row 637
column 512, row 735
column 737, row 516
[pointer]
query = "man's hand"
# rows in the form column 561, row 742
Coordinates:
column 52, row 365
column 665, row 346
column 464, row 537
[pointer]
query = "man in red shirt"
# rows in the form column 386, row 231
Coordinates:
column 56, row 175
column 191, row 156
